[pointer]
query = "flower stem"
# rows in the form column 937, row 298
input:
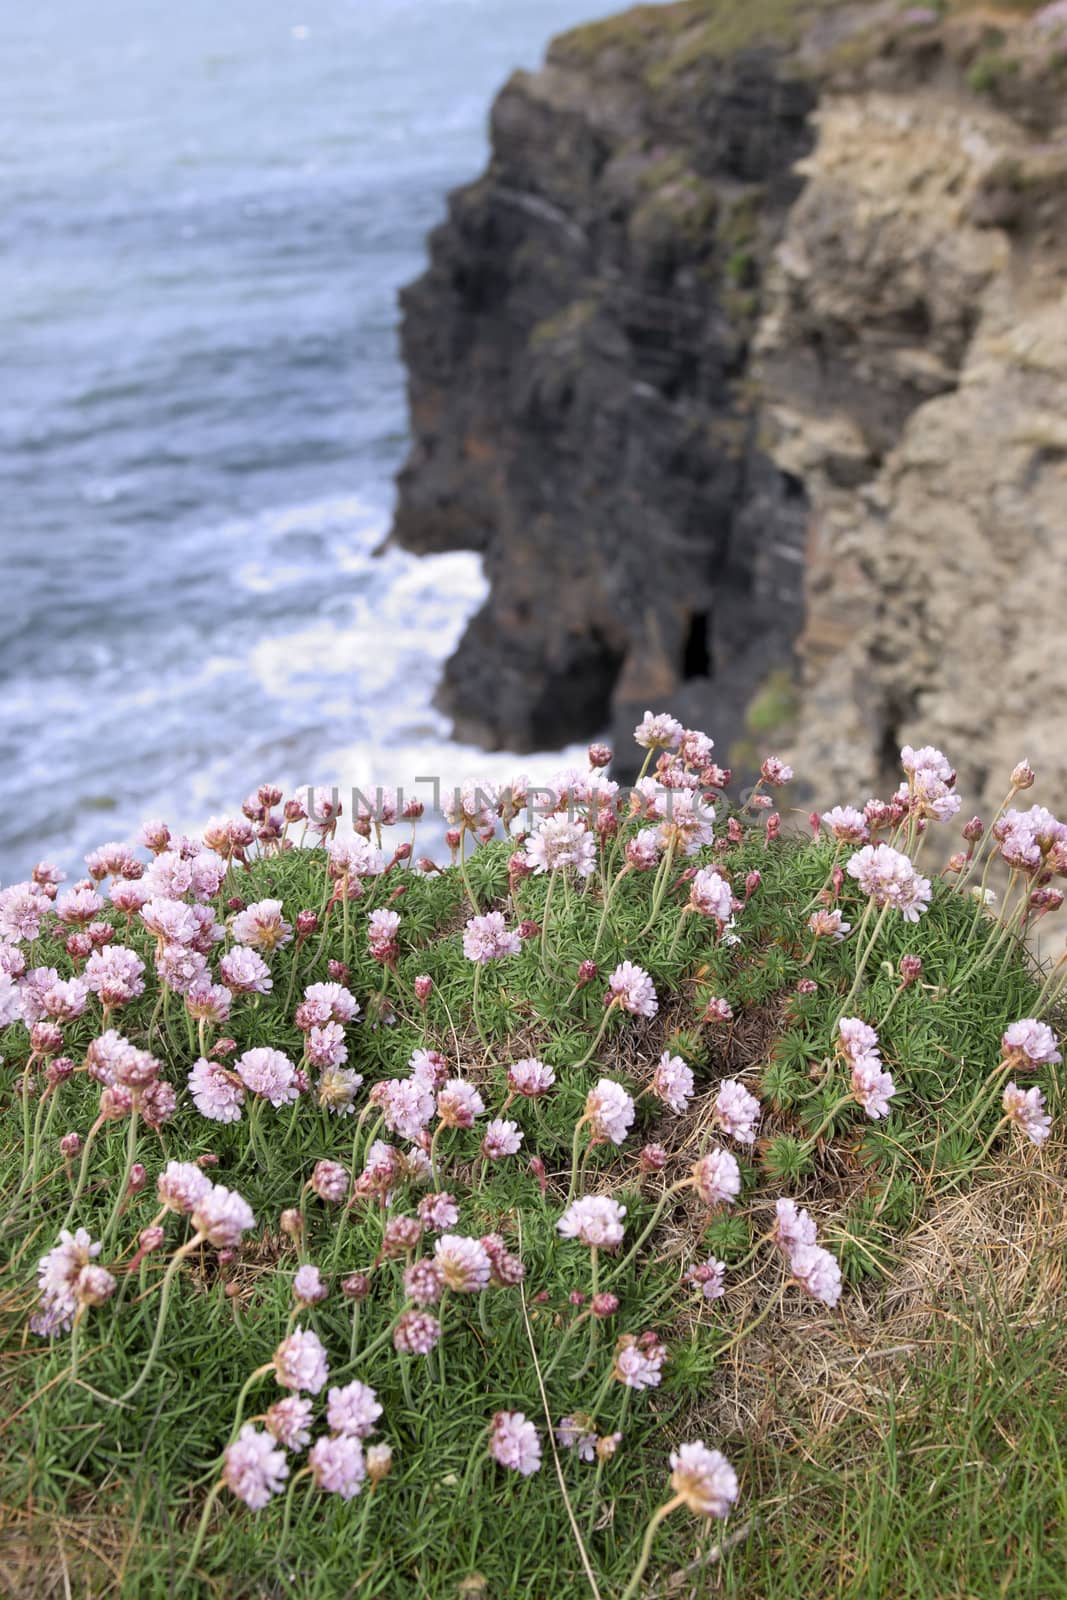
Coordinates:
column 634, row 1585
column 164, row 1301
column 675, row 1188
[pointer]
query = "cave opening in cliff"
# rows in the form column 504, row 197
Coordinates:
column 696, row 653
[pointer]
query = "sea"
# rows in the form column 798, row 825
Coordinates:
column 206, row 211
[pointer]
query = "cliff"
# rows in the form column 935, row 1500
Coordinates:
column 746, row 360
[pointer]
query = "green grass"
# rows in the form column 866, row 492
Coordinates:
column 966, row 1431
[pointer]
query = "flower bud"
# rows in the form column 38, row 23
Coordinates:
column 294, row 811
column 807, row 986
column 734, row 831
column 576, row 1297
column 753, row 881
column 956, row 862
column 653, row 1158
column 379, row 1460
column 718, row 1010
column 46, row 1038
column 774, row 826
column 58, row 1070
column 70, row 1145
column 973, row 830
column 235, row 903
column 911, row 969
column 423, row 987
column 528, row 930
column 452, row 838
column 338, row 971
column 1022, row 776
column 537, row 1168
column 424, row 864
column 599, row 755
column 587, row 971
column 307, row 923
column 290, row 1222
column 605, row 1305
column 413, row 810
column 356, row 1286
column 150, row 1239
column 207, row 1159
column 137, row 1179
column 78, row 946
column 222, row 1048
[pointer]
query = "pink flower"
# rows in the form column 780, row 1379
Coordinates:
column 487, row 938
column 423, row 1282
column 558, row 841
column 308, row 1287
column 737, row 1112
column 595, row 1220
column 658, row 732
column 530, row 1077
column 253, row 1469
column 631, row 987
column 829, row 925
column 416, row 1333
column 717, row 1177
column 114, row 973
column 65, row 1000
column 336, row 1090
column 270, row 1074
column 438, row 1211
column 406, row 1104
column 289, row 1421
column 464, row 1263
column 262, row 926
column 245, row 972
column 775, row 772
column 639, row 1362
column 847, row 824
column 817, row 1272
column 337, row 1003
column 871, row 1087
column 644, row 849
column 577, row 1433
column 326, row 1046
column 58, row 1271
column 890, row 879
column 1030, row 1043
column 708, row 1276
column 215, row 1093
column 382, row 927
column 221, row 1216
column 609, row 1111
column 181, row 1185
column 429, row 1068
column 458, row 1103
column 329, row 1180
column 718, row 1010
column 207, row 1001
column 514, row 1443
column 793, row 1226
column 337, row 1465
column 857, row 1038
column 704, row 1478
column 673, row 1082
column 353, row 1410
column 1026, row 1108
column 502, row 1138
column 300, row 1361
column 710, row 894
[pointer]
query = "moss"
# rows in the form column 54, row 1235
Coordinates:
column 565, row 324
column 683, row 208
column 774, row 705
column 741, row 269
column 990, row 70
column 629, row 31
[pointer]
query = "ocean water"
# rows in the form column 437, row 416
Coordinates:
column 205, row 214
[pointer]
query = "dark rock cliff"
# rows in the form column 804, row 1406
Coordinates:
column 677, row 353
column 577, row 354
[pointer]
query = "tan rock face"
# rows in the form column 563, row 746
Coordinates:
column 913, row 358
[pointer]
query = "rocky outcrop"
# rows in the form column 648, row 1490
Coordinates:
column 748, row 351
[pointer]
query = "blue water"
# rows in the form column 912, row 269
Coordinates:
column 206, row 211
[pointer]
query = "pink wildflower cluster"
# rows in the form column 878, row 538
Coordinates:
column 871, row 1086
column 889, row 878
column 812, row 1267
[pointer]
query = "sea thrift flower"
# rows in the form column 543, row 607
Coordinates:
column 423, row 987
column 181, row 1186
column 216, row 1093
column 458, row 1103
column 828, row 925
column 609, row 1110
column 817, row 1272
column 890, row 879
column 644, row 850
column 1030, row 1044
column 353, row 1410
column 514, row 1443
column 114, row 973
column 502, row 1138
column 326, row 1047
column 58, row 1271
column 704, row 1479
column 253, row 1469
column 329, row 1180
column 736, row 1111
column 438, row 1212
column 245, row 972
column 289, row 1421
column 530, row 1077
column 328, row 1002
column 423, row 1283
column 20, row 913
column 658, row 732
column 487, row 938
column 710, row 895
column 221, row 1216
column 847, row 824
column 717, row 1178
column 401, row 1235
column 793, row 1227
column 416, row 1333
column 673, row 1082
column 300, row 1361
column 708, row 1276
column 631, row 987
column 208, row 1002
column 65, row 1000
column 639, row 1362
column 308, row 1287
column 559, row 842
column 595, row 1220
column 858, row 1038
column 406, row 1104
column 1026, row 1109
column 429, row 1067
column 382, row 929
column 270, row 1074
column 337, row 1465
column 262, row 926
column 379, row 1459
column 464, row 1263
column 653, row 1158
column 871, row 1087
column 336, row 1090
column 718, row 1010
